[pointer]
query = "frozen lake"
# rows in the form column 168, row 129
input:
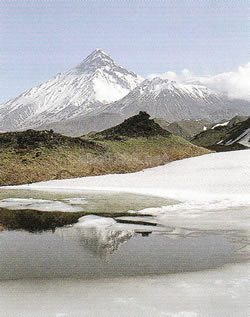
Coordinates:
column 137, row 266
column 91, row 253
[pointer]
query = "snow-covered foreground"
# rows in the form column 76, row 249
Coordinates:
column 223, row 177
column 223, row 292
column 213, row 190
column 214, row 194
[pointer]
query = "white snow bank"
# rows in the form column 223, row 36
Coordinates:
column 221, row 292
column 203, row 215
column 208, row 178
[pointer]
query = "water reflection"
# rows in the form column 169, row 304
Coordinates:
column 106, row 251
column 104, row 247
column 99, row 241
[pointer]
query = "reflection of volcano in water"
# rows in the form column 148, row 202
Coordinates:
column 104, row 241
column 102, row 236
column 98, row 240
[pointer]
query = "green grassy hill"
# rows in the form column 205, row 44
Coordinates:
column 137, row 143
column 186, row 129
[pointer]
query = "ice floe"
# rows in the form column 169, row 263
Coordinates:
column 38, row 204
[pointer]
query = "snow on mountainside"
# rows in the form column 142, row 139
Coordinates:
column 98, row 94
column 228, row 136
column 96, row 81
column 223, row 124
column 173, row 101
column 162, row 99
column 240, row 134
column 243, row 139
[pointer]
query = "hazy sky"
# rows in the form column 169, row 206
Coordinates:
column 40, row 38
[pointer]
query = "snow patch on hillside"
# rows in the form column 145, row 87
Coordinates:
column 220, row 124
column 243, row 139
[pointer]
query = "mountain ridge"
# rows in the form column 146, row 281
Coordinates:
column 173, row 101
column 98, row 93
column 162, row 99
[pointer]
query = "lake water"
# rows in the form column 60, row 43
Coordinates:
column 103, row 250
column 95, row 253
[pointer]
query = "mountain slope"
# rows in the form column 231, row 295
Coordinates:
column 232, row 135
column 174, row 102
column 162, row 99
column 96, row 81
column 31, row 156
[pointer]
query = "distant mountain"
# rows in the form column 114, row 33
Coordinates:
column 174, row 102
column 98, row 94
column 95, row 82
column 230, row 135
column 162, row 99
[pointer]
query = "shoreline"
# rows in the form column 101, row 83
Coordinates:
column 207, row 178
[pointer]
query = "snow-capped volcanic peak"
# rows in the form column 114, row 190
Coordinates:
column 96, row 81
column 110, row 81
column 97, row 59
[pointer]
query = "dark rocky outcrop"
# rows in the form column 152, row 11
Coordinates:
column 32, row 139
column 137, row 126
